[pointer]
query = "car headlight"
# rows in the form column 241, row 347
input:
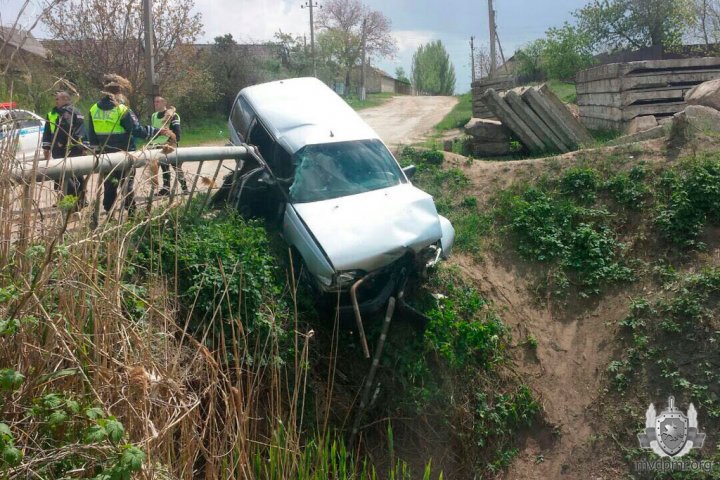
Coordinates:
column 346, row 279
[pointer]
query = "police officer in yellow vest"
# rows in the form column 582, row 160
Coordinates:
column 159, row 119
column 113, row 127
column 62, row 138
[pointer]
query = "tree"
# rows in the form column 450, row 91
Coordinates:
column 432, row 71
column 530, row 61
column 96, row 37
column 618, row 24
column 706, row 23
column 345, row 25
column 566, row 51
column 400, row 75
column 233, row 67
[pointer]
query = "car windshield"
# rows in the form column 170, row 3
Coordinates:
column 333, row 170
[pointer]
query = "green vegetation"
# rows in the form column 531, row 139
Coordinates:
column 210, row 130
column 449, row 189
column 432, row 71
column 689, row 198
column 450, row 370
column 371, row 100
column 565, row 91
column 460, row 114
column 558, row 224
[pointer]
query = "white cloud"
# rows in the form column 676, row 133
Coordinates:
column 252, row 20
column 409, row 40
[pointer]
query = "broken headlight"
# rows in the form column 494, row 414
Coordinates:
column 346, row 279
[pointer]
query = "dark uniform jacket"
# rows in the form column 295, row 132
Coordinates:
column 64, row 132
column 124, row 140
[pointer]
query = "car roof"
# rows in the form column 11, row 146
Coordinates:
column 305, row 111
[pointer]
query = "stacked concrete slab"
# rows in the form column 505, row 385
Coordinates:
column 498, row 83
column 538, row 119
column 611, row 96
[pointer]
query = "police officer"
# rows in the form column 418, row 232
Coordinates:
column 113, row 127
column 62, row 138
column 163, row 117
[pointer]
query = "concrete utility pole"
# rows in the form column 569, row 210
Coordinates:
column 362, row 71
column 151, row 86
column 310, row 5
column 493, row 40
column 472, row 57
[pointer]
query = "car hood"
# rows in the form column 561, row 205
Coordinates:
column 372, row 229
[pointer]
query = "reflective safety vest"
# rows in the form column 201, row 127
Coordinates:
column 53, row 119
column 107, row 122
column 158, row 122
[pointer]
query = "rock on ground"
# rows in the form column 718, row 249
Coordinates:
column 706, row 94
column 487, row 130
column 695, row 121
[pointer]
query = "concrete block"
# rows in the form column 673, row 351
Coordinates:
column 540, row 128
column 489, row 149
column 641, row 124
column 512, row 121
column 566, row 115
column 706, row 94
column 658, row 131
column 487, row 130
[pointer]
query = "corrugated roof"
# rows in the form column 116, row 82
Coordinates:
column 17, row 37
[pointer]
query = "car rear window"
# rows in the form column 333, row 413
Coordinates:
column 334, row 170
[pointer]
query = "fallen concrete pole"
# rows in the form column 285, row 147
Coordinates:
column 509, row 118
column 569, row 121
column 105, row 163
column 543, row 109
column 544, row 133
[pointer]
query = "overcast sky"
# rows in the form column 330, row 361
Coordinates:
column 413, row 21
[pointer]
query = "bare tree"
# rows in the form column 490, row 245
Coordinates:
column 706, row 23
column 345, row 23
column 105, row 36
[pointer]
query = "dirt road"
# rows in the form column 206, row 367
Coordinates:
column 406, row 119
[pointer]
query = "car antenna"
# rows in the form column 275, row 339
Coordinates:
column 331, row 134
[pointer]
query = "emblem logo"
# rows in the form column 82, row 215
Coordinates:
column 672, row 433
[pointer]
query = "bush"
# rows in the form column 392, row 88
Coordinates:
column 689, row 197
column 224, row 271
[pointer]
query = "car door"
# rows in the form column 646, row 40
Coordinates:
column 30, row 128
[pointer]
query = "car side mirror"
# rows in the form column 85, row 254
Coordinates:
column 410, row 171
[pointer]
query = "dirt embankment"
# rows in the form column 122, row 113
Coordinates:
column 576, row 339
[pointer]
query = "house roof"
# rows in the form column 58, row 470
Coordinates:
column 21, row 38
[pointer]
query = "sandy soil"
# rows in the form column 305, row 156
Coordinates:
column 407, row 119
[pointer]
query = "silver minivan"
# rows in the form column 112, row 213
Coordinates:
column 346, row 208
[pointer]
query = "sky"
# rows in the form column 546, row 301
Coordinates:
column 414, row 22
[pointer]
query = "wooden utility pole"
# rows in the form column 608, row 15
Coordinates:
column 310, row 5
column 493, row 38
column 472, row 58
column 151, row 87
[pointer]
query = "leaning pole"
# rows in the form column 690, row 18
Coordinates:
column 41, row 170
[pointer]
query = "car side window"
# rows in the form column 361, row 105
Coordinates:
column 282, row 163
column 25, row 120
column 241, row 117
column 260, row 137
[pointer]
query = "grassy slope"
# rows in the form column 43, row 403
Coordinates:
column 459, row 115
column 211, row 130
